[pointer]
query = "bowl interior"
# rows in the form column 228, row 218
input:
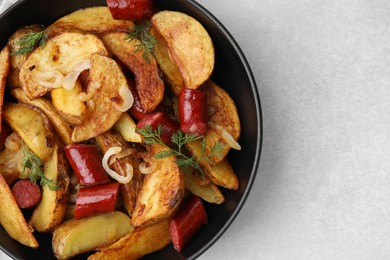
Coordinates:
column 231, row 72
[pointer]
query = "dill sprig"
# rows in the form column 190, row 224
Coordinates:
column 146, row 43
column 32, row 165
column 31, row 40
column 179, row 139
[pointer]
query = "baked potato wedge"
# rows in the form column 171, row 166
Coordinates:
column 11, row 160
column 50, row 211
column 184, row 43
column 33, row 127
column 141, row 242
column 76, row 236
column 223, row 116
column 68, row 104
column 12, row 219
column 126, row 127
column 4, row 70
column 130, row 190
column 17, row 61
column 106, row 105
column 45, row 68
column 161, row 192
column 60, row 126
column 97, row 19
column 201, row 186
column 221, row 174
column 148, row 84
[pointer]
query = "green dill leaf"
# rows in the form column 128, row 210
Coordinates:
column 179, row 139
column 31, row 40
column 164, row 154
column 147, row 42
column 32, row 165
column 217, row 150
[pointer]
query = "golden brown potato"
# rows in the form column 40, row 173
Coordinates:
column 33, row 127
column 102, row 108
column 68, row 104
column 161, row 192
column 51, row 209
column 11, row 159
column 4, row 70
column 149, row 86
column 222, row 113
column 76, row 236
column 130, row 190
column 62, row 54
column 12, row 219
column 221, row 174
column 17, row 61
column 184, row 41
column 60, row 126
column 203, row 187
column 95, row 19
column 126, row 127
column 141, row 242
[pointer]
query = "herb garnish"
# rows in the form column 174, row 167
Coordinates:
column 31, row 40
column 32, row 165
column 179, row 139
column 147, row 41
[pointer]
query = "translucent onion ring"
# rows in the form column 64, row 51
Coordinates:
column 129, row 168
column 227, row 137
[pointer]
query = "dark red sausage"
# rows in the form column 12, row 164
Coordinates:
column 187, row 221
column 131, row 9
column 86, row 164
column 27, row 194
column 192, row 111
column 169, row 126
column 97, row 199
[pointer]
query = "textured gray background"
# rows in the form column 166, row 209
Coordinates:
column 323, row 188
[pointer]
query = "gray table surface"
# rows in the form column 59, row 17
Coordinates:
column 323, row 73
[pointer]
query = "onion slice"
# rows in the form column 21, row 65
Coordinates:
column 147, row 167
column 227, row 137
column 129, row 168
column 127, row 99
column 49, row 79
column 70, row 79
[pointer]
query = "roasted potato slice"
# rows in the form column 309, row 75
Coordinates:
column 95, row 19
column 11, row 159
column 33, row 127
column 130, row 190
column 102, row 108
column 221, row 174
column 161, row 192
column 76, row 236
column 184, row 41
column 141, row 242
column 201, row 186
column 126, row 127
column 4, row 70
column 223, row 116
column 51, row 209
column 149, row 86
column 62, row 54
column 68, row 104
column 60, row 126
column 12, row 219
column 17, row 61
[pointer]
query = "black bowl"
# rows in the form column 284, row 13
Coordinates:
column 232, row 72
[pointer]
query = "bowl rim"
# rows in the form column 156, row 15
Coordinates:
column 259, row 125
column 256, row 96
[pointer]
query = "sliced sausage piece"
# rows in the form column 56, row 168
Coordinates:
column 27, row 194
